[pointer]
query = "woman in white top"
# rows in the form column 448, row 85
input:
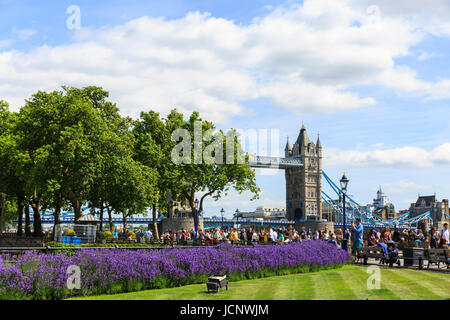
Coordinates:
column 325, row 235
column 217, row 235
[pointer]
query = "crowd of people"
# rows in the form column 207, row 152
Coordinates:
column 385, row 238
column 233, row 235
column 410, row 238
column 407, row 238
column 245, row 236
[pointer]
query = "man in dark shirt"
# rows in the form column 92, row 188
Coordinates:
column 392, row 253
column 303, row 233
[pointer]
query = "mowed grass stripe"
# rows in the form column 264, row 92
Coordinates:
column 282, row 290
column 322, row 288
column 341, row 289
column 357, row 279
column 295, row 287
column 405, row 287
column 348, row 282
column 270, row 289
column 441, row 276
column 441, row 287
column 304, row 287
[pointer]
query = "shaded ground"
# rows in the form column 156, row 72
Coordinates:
column 347, row 283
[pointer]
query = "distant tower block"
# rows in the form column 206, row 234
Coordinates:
column 304, row 184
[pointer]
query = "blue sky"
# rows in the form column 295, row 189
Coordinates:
column 376, row 86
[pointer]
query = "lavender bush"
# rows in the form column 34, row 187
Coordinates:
column 44, row 276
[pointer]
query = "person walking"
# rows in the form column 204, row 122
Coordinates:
column 303, row 233
column 274, row 236
column 357, row 236
column 244, row 236
column 445, row 234
column 433, row 239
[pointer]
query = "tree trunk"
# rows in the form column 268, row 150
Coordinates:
column 37, row 223
column 200, row 209
column 77, row 210
column 169, row 205
column 57, row 213
column 193, row 211
column 58, row 205
column 155, row 224
column 20, row 205
column 27, row 220
column 76, row 205
column 125, row 224
column 101, row 215
column 111, row 225
column 2, row 211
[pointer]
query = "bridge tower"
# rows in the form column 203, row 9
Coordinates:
column 304, row 184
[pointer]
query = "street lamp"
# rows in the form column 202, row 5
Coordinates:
column 344, row 184
column 196, row 202
column 222, row 212
column 237, row 215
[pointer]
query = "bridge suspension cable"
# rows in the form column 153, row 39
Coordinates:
column 355, row 210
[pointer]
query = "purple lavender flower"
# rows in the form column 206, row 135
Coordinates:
column 44, row 276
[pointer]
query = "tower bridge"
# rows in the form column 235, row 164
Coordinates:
column 304, row 174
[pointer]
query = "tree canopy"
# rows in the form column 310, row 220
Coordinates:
column 72, row 147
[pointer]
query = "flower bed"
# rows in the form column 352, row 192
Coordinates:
column 44, row 276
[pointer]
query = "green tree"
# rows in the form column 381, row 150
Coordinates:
column 224, row 176
column 4, row 124
column 209, row 176
column 59, row 131
column 12, row 197
column 152, row 148
column 132, row 188
column 114, row 144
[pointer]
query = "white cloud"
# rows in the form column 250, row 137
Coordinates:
column 425, row 56
column 24, row 34
column 5, row 43
column 404, row 187
column 305, row 58
column 380, row 144
column 432, row 16
column 405, row 81
column 399, row 157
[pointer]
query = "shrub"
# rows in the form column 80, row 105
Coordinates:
column 71, row 233
column 44, row 276
column 107, row 235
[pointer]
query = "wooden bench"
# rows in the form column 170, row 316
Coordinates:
column 371, row 252
column 437, row 256
column 447, row 257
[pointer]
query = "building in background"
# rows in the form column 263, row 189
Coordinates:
column 263, row 212
column 381, row 206
column 438, row 208
column 381, row 201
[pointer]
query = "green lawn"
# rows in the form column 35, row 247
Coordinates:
column 347, row 283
